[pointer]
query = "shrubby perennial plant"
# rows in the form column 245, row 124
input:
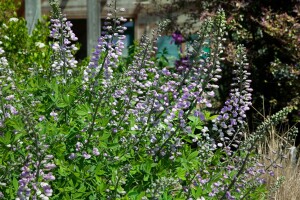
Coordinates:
column 107, row 129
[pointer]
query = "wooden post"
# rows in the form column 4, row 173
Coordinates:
column 32, row 13
column 93, row 24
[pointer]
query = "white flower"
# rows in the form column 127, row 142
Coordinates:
column 9, row 97
column 122, row 19
column 55, row 46
column 40, row 45
column 13, row 19
column 54, row 115
column 44, row 184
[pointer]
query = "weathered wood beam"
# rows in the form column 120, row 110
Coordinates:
column 93, row 24
column 32, row 13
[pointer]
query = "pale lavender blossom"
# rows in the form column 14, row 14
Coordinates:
column 96, row 151
column 54, row 115
column 9, row 97
column 50, row 166
column 79, row 145
column 49, row 177
column 86, row 155
column 62, row 46
column 42, row 118
column 233, row 114
column 72, row 156
column 229, row 197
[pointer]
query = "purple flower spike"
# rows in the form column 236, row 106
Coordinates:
column 229, row 197
column 177, row 38
column 182, row 64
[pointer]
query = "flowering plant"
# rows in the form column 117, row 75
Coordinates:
column 71, row 131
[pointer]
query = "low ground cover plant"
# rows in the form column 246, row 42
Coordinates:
column 126, row 130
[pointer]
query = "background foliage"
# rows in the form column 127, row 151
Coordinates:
column 270, row 31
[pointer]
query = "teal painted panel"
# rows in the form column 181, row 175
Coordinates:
column 165, row 44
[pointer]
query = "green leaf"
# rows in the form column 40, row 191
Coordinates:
column 193, row 118
column 146, row 177
column 61, row 105
column 199, row 192
column 66, row 99
column 92, row 198
column 112, row 187
column 120, row 189
column 68, row 189
column 181, row 173
column 77, row 195
column 17, row 137
column 62, row 171
column 141, row 195
column 132, row 194
column 83, row 110
column 193, row 155
column 15, row 184
column 16, row 124
column 199, row 127
column 103, row 145
column 113, row 145
column 209, row 117
column 6, row 139
column 82, row 188
column 99, row 171
column 105, row 136
column 212, row 117
column 71, row 182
